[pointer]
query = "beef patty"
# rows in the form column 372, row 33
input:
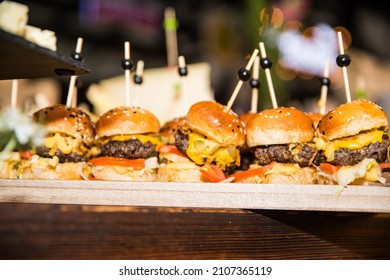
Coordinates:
column 43, row 151
column 264, row 155
column 130, row 149
column 344, row 156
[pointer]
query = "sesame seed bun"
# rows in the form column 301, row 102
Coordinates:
column 350, row 119
column 216, row 122
column 246, row 117
column 127, row 120
column 315, row 117
column 279, row 126
column 67, row 120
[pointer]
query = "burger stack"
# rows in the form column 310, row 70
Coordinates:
column 350, row 145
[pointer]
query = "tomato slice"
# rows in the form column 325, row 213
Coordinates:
column 107, row 161
column 329, row 168
column 171, row 149
column 252, row 172
column 384, row 165
column 212, row 172
column 25, row 154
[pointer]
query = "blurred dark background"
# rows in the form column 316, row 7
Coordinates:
column 223, row 33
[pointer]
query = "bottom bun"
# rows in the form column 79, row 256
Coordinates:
column 8, row 165
column 305, row 176
column 7, row 170
column 366, row 172
column 61, row 171
column 180, row 172
column 285, row 174
column 114, row 173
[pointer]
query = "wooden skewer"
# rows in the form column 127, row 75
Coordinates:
column 183, row 71
column 345, row 73
column 170, row 25
column 138, row 80
column 127, row 74
column 72, row 83
column 240, row 82
column 255, row 90
column 14, row 93
column 268, row 77
column 324, row 90
column 74, row 99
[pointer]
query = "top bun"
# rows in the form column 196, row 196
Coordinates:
column 127, row 120
column 315, row 117
column 216, row 122
column 246, row 117
column 350, row 119
column 169, row 128
column 67, row 120
column 279, row 126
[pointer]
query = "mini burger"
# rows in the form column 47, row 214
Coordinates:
column 175, row 166
column 127, row 138
column 67, row 146
column 168, row 130
column 210, row 139
column 353, row 143
column 246, row 155
column 280, row 140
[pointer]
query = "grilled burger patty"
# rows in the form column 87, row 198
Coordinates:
column 343, row 156
column 130, row 149
column 181, row 139
column 43, row 151
column 281, row 153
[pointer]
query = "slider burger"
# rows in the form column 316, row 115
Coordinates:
column 127, row 138
column 280, row 140
column 175, row 166
column 246, row 155
column 210, row 140
column 353, row 142
column 67, row 146
column 168, row 130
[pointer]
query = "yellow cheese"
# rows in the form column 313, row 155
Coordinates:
column 143, row 138
column 295, row 148
column 65, row 144
column 352, row 143
column 205, row 151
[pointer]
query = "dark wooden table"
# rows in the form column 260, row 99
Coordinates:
column 53, row 231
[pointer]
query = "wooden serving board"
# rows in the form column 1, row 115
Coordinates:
column 22, row 59
column 374, row 199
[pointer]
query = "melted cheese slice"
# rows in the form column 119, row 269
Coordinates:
column 65, row 144
column 352, row 143
column 205, row 151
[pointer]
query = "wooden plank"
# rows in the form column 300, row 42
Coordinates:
column 375, row 199
column 50, row 231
